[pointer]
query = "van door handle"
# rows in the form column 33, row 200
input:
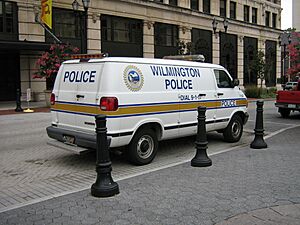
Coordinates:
column 219, row 94
column 79, row 96
column 201, row 95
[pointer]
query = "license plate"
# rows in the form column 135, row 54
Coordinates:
column 291, row 106
column 69, row 139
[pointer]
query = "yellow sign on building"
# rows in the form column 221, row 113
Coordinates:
column 46, row 15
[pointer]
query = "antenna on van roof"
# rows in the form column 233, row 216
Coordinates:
column 195, row 58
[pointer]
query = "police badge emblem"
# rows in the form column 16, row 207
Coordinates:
column 133, row 78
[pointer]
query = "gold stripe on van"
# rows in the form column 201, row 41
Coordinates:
column 134, row 110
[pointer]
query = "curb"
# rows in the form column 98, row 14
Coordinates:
column 12, row 111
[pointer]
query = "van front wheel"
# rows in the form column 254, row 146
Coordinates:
column 234, row 130
column 143, row 147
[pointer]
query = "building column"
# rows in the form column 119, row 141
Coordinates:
column 215, row 7
column 262, row 47
column 93, row 33
column 185, row 34
column 216, row 48
column 184, row 4
column 278, row 67
column 148, row 39
column 200, row 2
column 240, row 59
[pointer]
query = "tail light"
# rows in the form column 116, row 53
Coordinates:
column 109, row 103
column 52, row 99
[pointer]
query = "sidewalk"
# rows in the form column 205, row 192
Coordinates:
column 9, row 107
column 244, row 186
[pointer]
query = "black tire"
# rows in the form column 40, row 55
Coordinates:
column 284, row 112
column 143, row 147
column 233, row 132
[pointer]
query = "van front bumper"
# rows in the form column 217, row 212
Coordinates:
column 74, row 137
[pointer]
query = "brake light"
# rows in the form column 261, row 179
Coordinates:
column 109, row 103
column 52, row 99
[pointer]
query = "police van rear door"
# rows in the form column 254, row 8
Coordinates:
column 77, row 95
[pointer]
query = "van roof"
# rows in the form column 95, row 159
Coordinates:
column 147, row 61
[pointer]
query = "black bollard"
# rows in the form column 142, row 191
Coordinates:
column 258, row 141
column 201, row 159
column 104, row 185
column 18, row 101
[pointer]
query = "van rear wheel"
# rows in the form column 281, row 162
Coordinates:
column 143, row 147
column 234, row 130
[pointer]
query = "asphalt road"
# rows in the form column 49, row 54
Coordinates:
column 32, row 171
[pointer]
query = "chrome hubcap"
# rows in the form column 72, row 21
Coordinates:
column 145, row 146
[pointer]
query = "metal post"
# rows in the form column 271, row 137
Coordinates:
column 201, row 159
column 18, row 101
column 284, row 53
column 258, row 141
column 104, row 185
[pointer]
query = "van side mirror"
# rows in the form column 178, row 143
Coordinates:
column 236, row 82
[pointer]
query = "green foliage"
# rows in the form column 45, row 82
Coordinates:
column 259, row 66
column 251, row 91
column 255, row 92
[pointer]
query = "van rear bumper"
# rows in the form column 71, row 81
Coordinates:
column 80, row 139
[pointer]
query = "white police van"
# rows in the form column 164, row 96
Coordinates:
column 145, row 100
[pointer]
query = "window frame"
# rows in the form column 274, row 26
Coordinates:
column 14, row 33
column 133, row 27
column 267, row 18
column 160, row 35
column 274, row 20
column 173, row 2
column 194, row 4
column 206, row 6
column 247, row 13
column 232, row 13
column 254, row 15
column 223, row 8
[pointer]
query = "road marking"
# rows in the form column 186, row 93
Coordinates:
column 272, row 123
column 124, row 177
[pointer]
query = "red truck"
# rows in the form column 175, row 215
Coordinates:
column 288, row 101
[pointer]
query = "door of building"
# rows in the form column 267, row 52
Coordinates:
column 9, row 76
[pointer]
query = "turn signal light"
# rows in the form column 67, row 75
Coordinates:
column 52, row 99
column 109, row 103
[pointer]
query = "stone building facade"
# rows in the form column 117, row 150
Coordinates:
column 140, row 28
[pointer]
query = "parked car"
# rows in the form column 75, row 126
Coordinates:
column 288, row 100
column 290, row 85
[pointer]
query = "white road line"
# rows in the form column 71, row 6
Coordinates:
column 272, row 123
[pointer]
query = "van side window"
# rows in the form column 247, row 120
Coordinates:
column 222, row 78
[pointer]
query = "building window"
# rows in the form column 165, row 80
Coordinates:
column 223, row 8
column 166, row 34
column 173, row 2
column 232, row 10
column 8, row 20
column 119, row 29
column 267, row 19
column 206, row 6
column 246, row 13
column 69, row 27
column 254, row 15
column 161, row 1
column 274, row 20
column 195, row 4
